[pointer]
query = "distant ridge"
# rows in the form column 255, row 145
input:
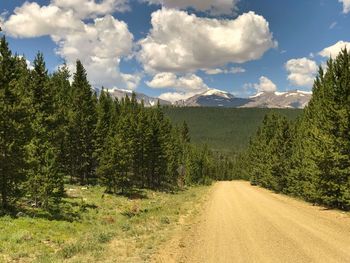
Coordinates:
column 213, row 98
column 147, row 100
column 294, row 99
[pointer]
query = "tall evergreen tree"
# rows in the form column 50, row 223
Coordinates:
column 45, row 181
column 60, row 84
column 185, row 133
column 141, row 129
column 327, row 124
column 309, row 159
column 105, row 115
column 12, row 123
column 267, row 159
column 82, row 127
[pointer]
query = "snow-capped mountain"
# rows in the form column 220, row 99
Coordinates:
column 148, row 101
column 291, row 99
column 213, row 98
column 217, row 98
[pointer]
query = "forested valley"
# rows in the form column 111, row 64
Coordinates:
column 172, row 131
column 308, row 158
column 54, row 132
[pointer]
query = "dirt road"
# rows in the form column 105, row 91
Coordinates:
column 242, row 223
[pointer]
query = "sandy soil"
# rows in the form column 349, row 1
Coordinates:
column 243, row 223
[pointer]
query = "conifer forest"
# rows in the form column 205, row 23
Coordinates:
column 173, row 131
column 55, row 131
column 310, row 157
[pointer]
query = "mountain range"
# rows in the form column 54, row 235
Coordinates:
column 147, row 100
column 217, row 98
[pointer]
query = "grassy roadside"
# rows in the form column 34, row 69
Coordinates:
column 97, row 227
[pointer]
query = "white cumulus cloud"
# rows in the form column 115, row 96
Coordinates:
column 346, row 6
column 176, row 96
column 32, row 20
column 189, row 82
column 265, row 85
column 183, row 86
column 215, row 7
column 301, row 72
column 179, row 42
column 92, row 8
column 333, row 51
column 233, row 70
column 99, row 44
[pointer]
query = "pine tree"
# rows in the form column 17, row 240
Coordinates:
column 12, row 124
column 45, row 181
column 302, row 178
column 105, row 115
column 280, row 152
column 175, row 166
column 309, row 159
column 157, row 156
column 63, row 110
column 141, row 129
column 328, row 126
column 266, row 161
column 82, row 127
column 258, row 155
column 113, row 170
column 122, row 155
column 185, row 133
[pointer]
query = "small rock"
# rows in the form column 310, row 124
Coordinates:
column 21, row 214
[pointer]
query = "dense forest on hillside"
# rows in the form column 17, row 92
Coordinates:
column 54, row 130
column 310, row 157
column 224, row 129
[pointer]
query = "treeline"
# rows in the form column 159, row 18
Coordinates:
column 226, row 130
column 53, row 131
column 308, row 158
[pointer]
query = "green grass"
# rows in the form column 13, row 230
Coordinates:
column 223, row 129
column 97, row 227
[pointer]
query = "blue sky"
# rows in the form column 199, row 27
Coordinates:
column 247, row 56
